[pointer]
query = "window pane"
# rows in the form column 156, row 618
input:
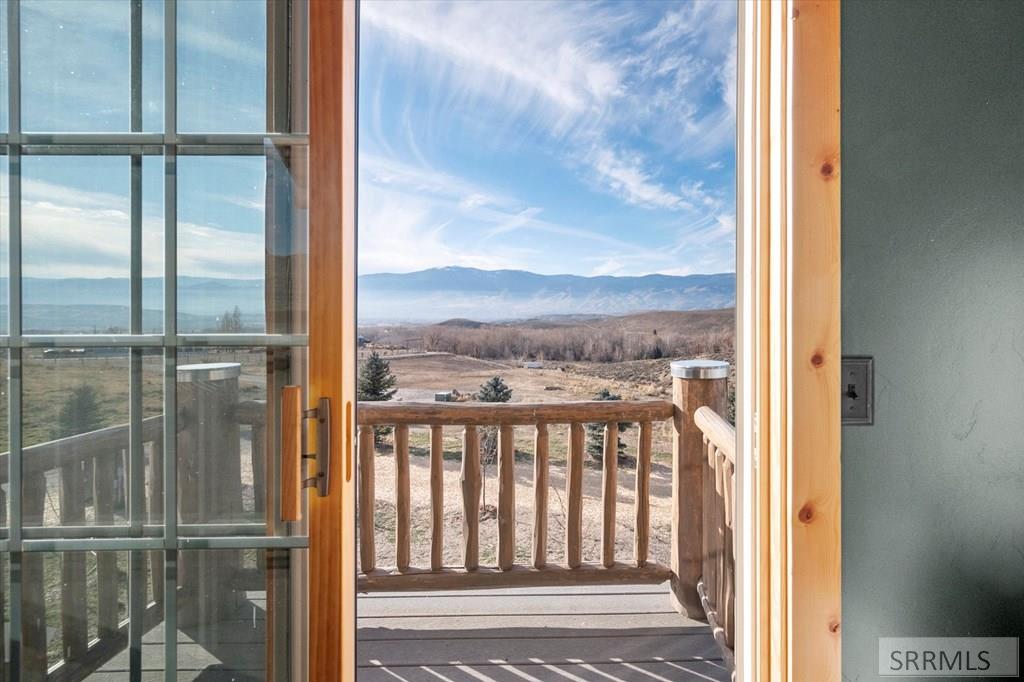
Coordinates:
column 76, row 244
column 152, row 96
column 221, row 244
column 228, row 618
column 74, row 65
column 222, row 66
column 5, row 444
column 75, row 611
column 4, row 117
column 5, row 215
column 76, row 436
column 152, row 244
column 227, row 462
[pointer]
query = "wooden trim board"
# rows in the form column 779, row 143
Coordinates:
column 788, row 400
column 332, row 329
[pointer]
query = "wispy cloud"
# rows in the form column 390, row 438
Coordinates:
column 634, row 98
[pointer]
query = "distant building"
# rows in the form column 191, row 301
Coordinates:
column 533, row 364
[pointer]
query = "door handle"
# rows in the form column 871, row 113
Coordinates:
column 292, row 453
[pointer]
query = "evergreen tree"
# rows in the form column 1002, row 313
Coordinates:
column 231, row 321
column 595, row 432
column 80, row 413
column 495, row 390
column 376, row 383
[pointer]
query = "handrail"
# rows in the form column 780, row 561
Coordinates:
column 88, row 473
column 717, row 584
column 511, row 414
column 718, row 431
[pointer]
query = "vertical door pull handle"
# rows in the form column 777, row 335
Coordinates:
column 292, row 453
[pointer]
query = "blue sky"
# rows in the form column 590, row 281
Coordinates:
column 591, row 138
column 558, row 137
column 75, row 209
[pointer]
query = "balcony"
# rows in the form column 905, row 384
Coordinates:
column 528, row 605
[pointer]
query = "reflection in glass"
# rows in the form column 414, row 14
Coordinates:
column 4, row 97
column 5, row 443
column 221, row 244
column 76, row 243
column 74, row 57
column 222, row 67
column 224, row 427
column 75, row 434
column 75, row 612
column 233, row 608
column 5, row 212
column 152, row 95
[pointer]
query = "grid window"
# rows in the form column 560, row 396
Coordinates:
column 151, row 232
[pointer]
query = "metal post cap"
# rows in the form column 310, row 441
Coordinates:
column 209, row 371
column 700, row 369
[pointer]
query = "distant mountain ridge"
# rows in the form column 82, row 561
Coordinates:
column 487, row 295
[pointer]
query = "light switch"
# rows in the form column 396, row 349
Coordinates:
column 858, row 387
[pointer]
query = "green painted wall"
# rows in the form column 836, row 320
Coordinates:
column 933, row 288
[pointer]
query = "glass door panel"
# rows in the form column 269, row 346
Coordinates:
column 153, row 299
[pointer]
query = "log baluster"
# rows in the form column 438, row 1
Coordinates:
column 574, row 495
column 642, row 496
column 540, row 496
column 403, row 510
column 436, row 498
column 367, row 500
column 506, row 498
column 470, row 483
column 609, row 492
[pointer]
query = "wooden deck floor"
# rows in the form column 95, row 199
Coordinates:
column 619, row 633
column 574, row 634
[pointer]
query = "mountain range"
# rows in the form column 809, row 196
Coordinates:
column 490, row 295
column 84, row 305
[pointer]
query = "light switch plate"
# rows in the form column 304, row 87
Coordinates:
column 858, row 388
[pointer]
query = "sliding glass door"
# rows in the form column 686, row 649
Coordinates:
column 153, row 303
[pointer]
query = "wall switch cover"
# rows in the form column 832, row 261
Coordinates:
column 858, row 387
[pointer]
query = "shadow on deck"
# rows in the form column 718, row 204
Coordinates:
column 621, row 633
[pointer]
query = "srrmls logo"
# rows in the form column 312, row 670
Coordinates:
column 948, row 657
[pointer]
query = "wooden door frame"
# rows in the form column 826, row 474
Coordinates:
column 332, row 330
column 788, row 353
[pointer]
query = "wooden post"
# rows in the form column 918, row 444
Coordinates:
column 540, row 496
column 695, row 383
column 436, row 498
column 470, row 480
column 209, row 489
column 367, row 501
column 642, row 496
column 574, row 495
column 403, row 509
column 609, row 491
column 506, row 498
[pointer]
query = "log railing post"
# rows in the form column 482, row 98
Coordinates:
column 695, row 383
column 469, row 479
column 367, row 500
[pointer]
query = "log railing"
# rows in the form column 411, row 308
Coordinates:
column 65, row 483
column 505, row 418
column 696, row 385
column 717, row 585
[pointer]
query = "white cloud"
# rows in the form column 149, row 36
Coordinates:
column 68, row 232
column 551, row 64
column 627, row 178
